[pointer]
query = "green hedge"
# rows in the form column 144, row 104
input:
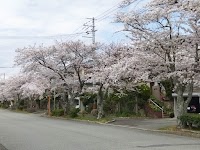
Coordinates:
column 74, row 112
column 190, row 120
column 57, row 112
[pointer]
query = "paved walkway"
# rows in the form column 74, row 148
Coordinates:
column 151, row 124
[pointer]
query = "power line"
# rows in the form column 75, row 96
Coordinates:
column 40, row 36
column 76, row 33
column 110, row 11
column 8, row 67
column 100, row 16
column 72, row 37
column 107, row 11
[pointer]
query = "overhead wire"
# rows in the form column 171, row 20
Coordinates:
column 77, row 32
column 39, row 36
column 100, row 16
column 77, row 29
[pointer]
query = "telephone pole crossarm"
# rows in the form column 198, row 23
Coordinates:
column 93, row 30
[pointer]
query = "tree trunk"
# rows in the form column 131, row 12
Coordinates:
column 65, row 103
column 136, row 105
column 180, row 104
column 31, row 102
column 190, row 91
column 100, row 102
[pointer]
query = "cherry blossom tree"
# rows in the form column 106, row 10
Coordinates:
column 11, row 88
column 66, row 62
column 34, row 88
column 115, row 68
column 23, row 87
column 167, row 31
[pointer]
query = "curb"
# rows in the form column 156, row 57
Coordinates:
column 179, row 133
column 113, row 120
column 61, row 118
column 187, row 133
column 108, row 123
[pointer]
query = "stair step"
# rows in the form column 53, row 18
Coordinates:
column 165, row 115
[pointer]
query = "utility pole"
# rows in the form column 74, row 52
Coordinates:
column 93, row 30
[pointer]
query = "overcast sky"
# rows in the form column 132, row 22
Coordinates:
column 26, row 22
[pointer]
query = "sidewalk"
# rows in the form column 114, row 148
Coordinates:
column 151, row 124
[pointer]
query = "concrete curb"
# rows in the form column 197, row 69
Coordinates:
column 179, row 133
column 108, row 123
column 61, row 118
column 183, row 133
column 111, row 121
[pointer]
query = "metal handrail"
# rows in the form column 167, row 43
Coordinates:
column 162, row 110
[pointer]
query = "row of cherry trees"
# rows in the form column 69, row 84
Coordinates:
column 167, row 31
column 164, row 45
column 69, row 68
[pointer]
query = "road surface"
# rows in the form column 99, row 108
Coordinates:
column 32, row 132
column 146, row 123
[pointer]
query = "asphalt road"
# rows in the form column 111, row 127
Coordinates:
column 31, row 132
column 145, row 123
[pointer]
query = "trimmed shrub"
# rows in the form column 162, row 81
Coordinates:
column 74, row 112
column 171, row 115
column 190, row 120
column 57, row 112
column 125, row 114
column 20, row 107
column 31, row 110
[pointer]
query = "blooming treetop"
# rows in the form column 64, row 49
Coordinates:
column 67, row 63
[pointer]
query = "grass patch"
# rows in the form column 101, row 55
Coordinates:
column 89, row 117
column 182, row 132
column 86, row 117
column 169, row 128
column 20, row 111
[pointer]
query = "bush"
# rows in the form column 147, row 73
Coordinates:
column 57, row 112
column 74, row 112
column 4, row 105
column 125, row 114
column 171, row 115
column 190, row 120
column 20, row 107
column 83, row 113
column 31, row 110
